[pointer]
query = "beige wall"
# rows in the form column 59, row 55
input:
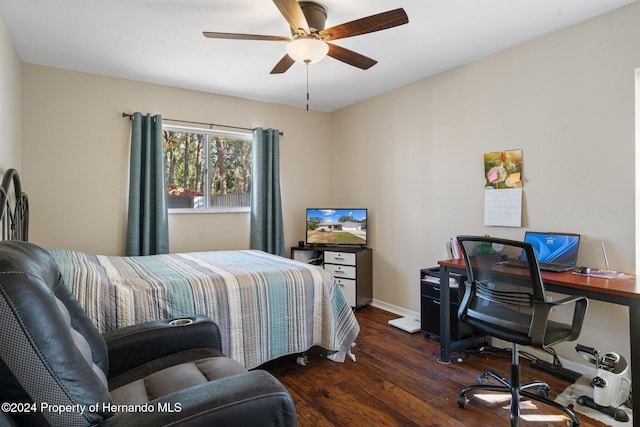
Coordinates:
column 413, row 156
column 566, row 99
column 10, row 100
column 75, row 146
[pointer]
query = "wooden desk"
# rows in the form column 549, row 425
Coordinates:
column 623, row 290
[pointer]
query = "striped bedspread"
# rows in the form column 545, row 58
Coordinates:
column 266, row 306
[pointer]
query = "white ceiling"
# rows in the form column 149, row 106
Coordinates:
column 161, row 41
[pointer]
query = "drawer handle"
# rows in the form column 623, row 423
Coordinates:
column 436, row 301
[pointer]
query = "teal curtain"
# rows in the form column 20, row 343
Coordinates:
column 147, row 226
column 266, row 206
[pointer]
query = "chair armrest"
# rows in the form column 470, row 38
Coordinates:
column 580, row 310
column 541, row 316
column 567, row 300
column 254, row 398
column 136, row 345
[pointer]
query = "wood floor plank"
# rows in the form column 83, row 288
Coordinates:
column 397, row 381
column 308, row 415
column 349, row 404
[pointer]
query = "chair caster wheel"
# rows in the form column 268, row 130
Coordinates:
column 543, row 392
column 463, row 402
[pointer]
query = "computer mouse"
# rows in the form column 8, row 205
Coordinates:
column 584, row 270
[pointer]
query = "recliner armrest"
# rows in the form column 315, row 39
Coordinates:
column 136, row 345
column 254, row 398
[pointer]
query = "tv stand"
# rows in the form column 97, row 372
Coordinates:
column 350, row 265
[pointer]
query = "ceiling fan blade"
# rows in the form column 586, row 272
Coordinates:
column 292, row 12
column 350, row 57
column 237, row 36
column 283, row 65
column 370, row 24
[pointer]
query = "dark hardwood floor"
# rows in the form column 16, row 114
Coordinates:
column 397, row 381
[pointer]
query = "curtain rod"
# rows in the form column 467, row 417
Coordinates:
column 130, row 116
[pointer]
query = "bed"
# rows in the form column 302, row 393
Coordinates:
column 266, row 306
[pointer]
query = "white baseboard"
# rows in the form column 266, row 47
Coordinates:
column 395, row 309
column 409, row 320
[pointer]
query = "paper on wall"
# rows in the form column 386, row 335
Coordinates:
column 503, row 207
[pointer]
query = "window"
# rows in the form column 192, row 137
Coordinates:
column 207, row 170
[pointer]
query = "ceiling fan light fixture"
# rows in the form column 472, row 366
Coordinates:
column 307, row 50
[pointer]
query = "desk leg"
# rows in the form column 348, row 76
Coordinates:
column 634, row 332
column 445, row 326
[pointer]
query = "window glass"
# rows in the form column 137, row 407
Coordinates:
column 208, row 170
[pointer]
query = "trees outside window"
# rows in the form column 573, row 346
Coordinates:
column 207, row 169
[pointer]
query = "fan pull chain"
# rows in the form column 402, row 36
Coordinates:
column 307, row 62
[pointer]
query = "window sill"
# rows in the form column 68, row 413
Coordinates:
column 208, row 211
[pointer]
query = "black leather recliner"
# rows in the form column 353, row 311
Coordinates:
column 57, row 369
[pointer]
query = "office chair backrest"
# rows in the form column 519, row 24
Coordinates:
column 499, row 298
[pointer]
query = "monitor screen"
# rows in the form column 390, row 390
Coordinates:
column 335, row 227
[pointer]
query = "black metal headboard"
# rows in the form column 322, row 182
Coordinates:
column 14, row 216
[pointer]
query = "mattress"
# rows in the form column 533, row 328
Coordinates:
column 266, row 306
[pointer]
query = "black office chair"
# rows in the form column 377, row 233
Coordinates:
column 509, row 303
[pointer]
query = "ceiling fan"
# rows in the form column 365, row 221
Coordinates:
column 309, row 41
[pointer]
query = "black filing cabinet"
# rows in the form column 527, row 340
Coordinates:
column 430, row 304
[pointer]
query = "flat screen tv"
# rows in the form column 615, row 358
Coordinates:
column 336, row 227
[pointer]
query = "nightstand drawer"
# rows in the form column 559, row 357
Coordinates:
column 344, row 258
column 344, row 271
column 350, row 267
column 348, row 288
